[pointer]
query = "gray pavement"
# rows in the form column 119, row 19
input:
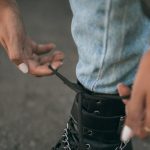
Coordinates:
column 34, row 111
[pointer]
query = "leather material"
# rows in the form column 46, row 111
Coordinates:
column 110, row 112
column 95, row 123
column 100, row 131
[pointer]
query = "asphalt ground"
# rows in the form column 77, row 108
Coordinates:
column 34, row 111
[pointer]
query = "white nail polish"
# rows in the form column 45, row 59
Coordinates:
column 127, row 134
column 23, row 67
column 54, row 67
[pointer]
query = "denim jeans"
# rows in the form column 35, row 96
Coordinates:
column 111, row 36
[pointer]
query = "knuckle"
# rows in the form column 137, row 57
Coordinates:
column 59, row 53
column 14, row 58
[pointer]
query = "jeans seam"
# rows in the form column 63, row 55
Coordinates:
column 105, row 42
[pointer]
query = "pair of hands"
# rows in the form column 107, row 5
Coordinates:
column 21, row 50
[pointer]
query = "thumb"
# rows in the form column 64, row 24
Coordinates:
column 124, row 90
column 17, row 57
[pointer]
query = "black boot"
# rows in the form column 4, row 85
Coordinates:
column 95, row 122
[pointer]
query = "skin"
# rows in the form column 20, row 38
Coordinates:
column 20, row 48
column 138, row 107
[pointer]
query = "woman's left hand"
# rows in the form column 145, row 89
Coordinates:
column 138, row 106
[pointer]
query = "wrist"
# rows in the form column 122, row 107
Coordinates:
column 7, row 5
column 8, row 8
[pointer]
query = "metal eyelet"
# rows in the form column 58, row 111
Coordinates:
column 98, row 102
column 87, row 146
column 90, row 132
column 121, row 124
column 97, row 112
column 87, row 132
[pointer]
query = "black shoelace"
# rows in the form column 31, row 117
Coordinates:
column 75, row 87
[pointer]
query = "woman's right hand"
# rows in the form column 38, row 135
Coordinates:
column 21, row 50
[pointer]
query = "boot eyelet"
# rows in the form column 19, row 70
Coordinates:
column 97, row 112
column 87, row 146
column 98, row 102
column 90, row 132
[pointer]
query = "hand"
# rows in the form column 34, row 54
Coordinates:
column 38, row 64
column 138, row 107
column 21, row 50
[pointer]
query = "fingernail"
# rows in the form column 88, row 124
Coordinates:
column 54, row 67
column 127, row 134
column 23, row 67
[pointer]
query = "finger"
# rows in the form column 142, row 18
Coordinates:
column 36, row 58
column 56, row 64
column 134, row 119
column 123, row 90
column 44, row 48
column 57, row 56
column 42, row 70
column 147, row 115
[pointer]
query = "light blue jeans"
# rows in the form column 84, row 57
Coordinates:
column 111, row 36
